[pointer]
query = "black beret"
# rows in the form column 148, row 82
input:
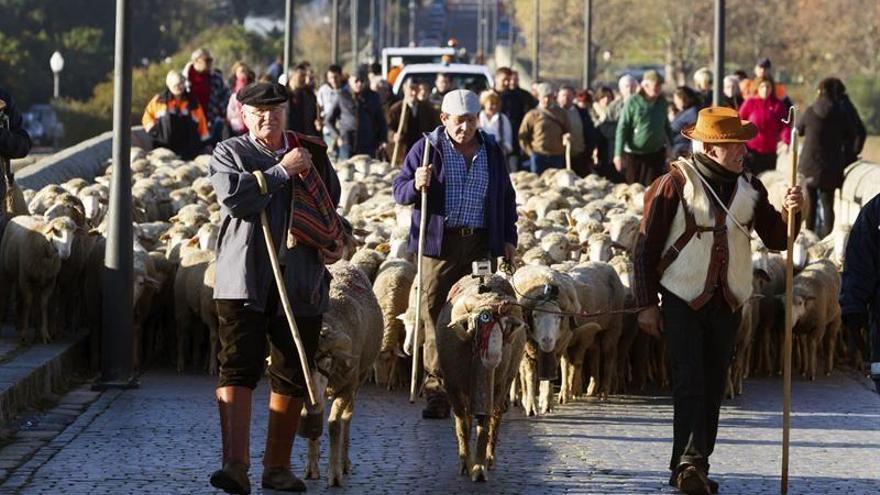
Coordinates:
column 262, row 94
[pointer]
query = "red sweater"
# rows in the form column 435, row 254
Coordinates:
column 768, row 116
column 200, row 85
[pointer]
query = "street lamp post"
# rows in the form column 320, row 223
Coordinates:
column 288, row 35
column 412, row 23
column 536, row 72
column 334, row 33
column 56, row 63
column 719, row 52
column 588, row 41
column 355, row 39
column 118, row 316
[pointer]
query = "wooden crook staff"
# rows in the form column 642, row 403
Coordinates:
column 282, row 292
column 423, row 224
column 400, row 126
column 789, row 302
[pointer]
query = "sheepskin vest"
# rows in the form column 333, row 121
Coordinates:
column 705, row 250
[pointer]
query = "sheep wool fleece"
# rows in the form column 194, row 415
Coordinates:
column 688, row 274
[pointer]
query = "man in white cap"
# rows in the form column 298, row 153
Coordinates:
column 471, row 214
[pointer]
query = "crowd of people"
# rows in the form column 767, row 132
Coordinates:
column 628, row 135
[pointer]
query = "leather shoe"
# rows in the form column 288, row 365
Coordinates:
column 282, row 480
column 232, row 478
column 692, row 481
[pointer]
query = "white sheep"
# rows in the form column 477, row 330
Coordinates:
column 31, row 251
column 351, row 336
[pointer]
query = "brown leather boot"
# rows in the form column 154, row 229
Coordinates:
column 234, row 404
column 284, row 414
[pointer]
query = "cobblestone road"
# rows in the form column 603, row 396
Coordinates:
column 163, row 438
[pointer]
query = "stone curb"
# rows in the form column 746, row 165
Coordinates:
column 36, row 372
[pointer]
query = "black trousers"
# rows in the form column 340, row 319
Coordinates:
column 700, row 346
column 760, row 162
column 244, row 336
column 643, row 168
column 820, row 218
column 439, row 275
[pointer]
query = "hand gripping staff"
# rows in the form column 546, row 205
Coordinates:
column 423, row 224
column 282, row 291
column 789, row 302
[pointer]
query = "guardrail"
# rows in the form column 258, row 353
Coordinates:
column 87, row 160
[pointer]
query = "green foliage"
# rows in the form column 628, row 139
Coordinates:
column 80, row 122
column 864, row 91
column 84, row 119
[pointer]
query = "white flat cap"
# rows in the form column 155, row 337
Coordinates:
column 460, row 102
column 545, row 89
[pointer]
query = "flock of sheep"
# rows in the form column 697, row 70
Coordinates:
column 561, row 314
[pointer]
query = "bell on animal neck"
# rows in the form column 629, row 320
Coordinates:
column 547, row 365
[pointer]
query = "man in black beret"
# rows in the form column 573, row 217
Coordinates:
column 251, row 173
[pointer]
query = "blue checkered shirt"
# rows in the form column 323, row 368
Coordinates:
column 465, row 186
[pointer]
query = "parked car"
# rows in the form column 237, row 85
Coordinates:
column 41, row 123
column 476, row 78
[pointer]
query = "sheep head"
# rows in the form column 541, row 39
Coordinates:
column 334, row 360
column 486, row 320
column 60, row 234
column 546, row 325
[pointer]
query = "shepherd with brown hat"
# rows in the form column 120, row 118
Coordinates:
column 694, row 250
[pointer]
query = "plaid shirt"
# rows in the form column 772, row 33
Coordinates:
column 465, row 186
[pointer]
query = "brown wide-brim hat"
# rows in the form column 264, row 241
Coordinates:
column 720, row 125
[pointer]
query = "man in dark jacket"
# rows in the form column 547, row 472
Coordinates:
column 860, row 287
column 355, row 120
column 253, row 173
column 174, row 119
column 827, row 129
column 515, row 102
column 421, row 117
column 302, row 108
column 471, row 215
column 14, row 143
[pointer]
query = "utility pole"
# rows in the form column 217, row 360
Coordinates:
column 511, row 32
column 718, row 77
column 374, row 30
column 588, row 42
column 493, row 28
column 117, row 336
column 412, row 23
column 334, row 33
column 536, row 49
column 397, row 13
column 355, row 41
column 480, row 10
column 382, row 23
column 288, row 35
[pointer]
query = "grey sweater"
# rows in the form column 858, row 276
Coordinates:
column 243, row 268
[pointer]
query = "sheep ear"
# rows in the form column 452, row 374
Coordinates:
column 384, row 248
column 193, row 241
column 165, row 237
column 174, row 219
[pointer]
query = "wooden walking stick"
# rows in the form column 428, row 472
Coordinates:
column 789, row 302
column 400, row 126
column 568, row 156
column 282, row 291
column 423, row 224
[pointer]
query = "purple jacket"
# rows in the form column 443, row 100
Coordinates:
column 500, row 197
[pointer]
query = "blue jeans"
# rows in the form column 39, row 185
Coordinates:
column 540, row 163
